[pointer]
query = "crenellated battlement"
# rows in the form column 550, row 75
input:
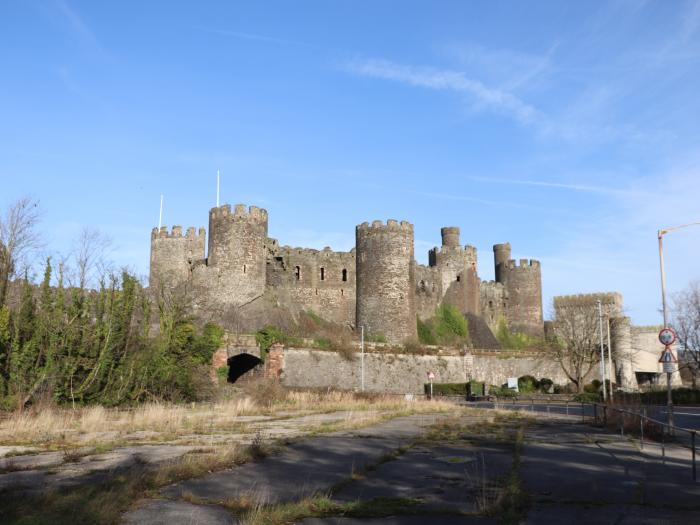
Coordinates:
column 588, row 299
column 522, row 264
column 326, row 252
column 240, row 211
column 176, row 233
column 391, row 225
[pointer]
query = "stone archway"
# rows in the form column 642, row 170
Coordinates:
column 240, row 365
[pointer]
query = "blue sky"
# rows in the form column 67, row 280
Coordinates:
column 569, row 129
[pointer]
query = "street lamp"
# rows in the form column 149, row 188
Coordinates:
column 660, row 235
column 602, row 351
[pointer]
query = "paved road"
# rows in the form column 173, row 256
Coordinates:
column 685, row 417
column 572, row 473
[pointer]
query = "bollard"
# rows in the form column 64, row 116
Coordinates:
column 692, row 441
column 622, row 423
column 663, row 445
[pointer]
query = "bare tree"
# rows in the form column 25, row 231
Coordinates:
column 576, row 341
column 686, row 321
column 18, row 238
column 89, row 252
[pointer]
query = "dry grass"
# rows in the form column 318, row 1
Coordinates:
column 52, row 427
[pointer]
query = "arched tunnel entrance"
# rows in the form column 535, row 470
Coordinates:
column 241, row 364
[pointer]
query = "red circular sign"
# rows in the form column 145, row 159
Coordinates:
column 667, row 336
column 431, row 375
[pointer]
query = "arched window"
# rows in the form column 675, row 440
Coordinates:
column 297, row 272
column 323, row 273
column 345, row 275
column 459, row 278
column 244, row 268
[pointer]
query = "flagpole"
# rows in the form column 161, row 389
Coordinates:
column 160, row 216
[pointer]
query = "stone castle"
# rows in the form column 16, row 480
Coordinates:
column 377, row 284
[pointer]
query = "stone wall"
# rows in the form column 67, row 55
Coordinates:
column 319, row 280
column 428, row 290
column 405, row 373
column 493, row 299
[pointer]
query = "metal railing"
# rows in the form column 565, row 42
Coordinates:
column 665, row 433
column 629, row 423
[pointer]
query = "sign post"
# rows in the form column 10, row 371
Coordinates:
column 431, row 376
column 667, row 336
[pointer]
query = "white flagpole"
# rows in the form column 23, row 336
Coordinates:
column 217, row 188
column 160, row 217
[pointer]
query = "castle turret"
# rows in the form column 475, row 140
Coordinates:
column 457, row 267
column 450, row 236
column 523, row 285
column 237, row 252
column 501, row 256
column 173, row 255
column 385, row 280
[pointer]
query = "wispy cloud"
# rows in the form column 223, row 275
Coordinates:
column 446, row 80
column 605, row 190
column 74, row 24
column 250, row 36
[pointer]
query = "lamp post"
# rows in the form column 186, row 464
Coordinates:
column 660, row 235
column 611, row 370
column 602, row 351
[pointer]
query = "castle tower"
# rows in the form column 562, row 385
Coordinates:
column 501, row 257
column 450, row 236
column 523, row 286
column 457, row 267
column 173, row 255
column 237, row 252
column 385, row 280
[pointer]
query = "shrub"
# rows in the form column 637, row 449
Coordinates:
column 266, row 337
column 527, row 384
column 514, row 340
column 502, row 391
column 546, row 385
column 447, row 389
column 593, row 387
column 322, row 343
column 425, row 334
column 222, row 374
column 587, row 397
column 475, row 388
column 447, row 327
column 377, row 337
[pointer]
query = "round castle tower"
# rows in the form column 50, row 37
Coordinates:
column 237, row 251
column 385, row 280
column 173, row 255
column 523, row 284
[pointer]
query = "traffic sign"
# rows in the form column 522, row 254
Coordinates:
column 667, row 336
column 431, row 376
column 667, row 356
column 669, row 368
